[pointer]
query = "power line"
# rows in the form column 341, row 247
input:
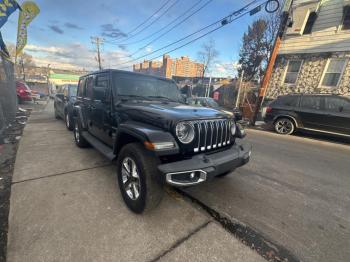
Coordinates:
column 174, row 20
column 148, row 26
column 173, row 27
column 149, row 18
column 222, row 22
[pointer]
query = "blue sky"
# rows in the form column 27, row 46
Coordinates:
column 60, row 35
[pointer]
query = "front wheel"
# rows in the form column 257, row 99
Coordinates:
column 284, row 126
column 137, row 178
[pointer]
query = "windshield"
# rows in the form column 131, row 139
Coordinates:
column 73, row 90
column 146, row 87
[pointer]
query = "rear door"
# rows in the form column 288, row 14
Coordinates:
column 311, row 112
column 337, row 119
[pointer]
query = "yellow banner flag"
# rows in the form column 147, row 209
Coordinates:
column 29, row 11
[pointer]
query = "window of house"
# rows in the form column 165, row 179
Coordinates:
column 346, row 18
column 310, row 23
column 293, row 69
column 333, row 73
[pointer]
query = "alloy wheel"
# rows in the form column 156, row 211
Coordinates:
column 131, row 178
column 284, row 126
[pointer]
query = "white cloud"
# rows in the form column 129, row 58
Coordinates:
column 224, row 69
column 72, row 56
column 149, row 49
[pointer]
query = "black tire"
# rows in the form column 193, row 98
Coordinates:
column 19, row 100
column 146, row 181
column 69, row 121
column 80, row 141
column 284, row 126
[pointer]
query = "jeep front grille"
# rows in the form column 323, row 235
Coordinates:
column 211, row 134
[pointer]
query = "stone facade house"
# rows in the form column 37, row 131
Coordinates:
column 315, row 51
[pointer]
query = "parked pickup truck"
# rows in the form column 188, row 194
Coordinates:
column 156, row 139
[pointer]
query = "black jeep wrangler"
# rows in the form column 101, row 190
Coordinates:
column 143, row 122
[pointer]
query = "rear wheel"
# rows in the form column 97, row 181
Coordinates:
column 69, row 122
column 284, row 126
column 80, row 141
column 137, row 178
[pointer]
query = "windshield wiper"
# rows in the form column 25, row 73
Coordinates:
column 163, row 97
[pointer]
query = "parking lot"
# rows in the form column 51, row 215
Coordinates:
column 65, row 205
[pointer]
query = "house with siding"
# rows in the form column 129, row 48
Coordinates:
column 315, row 51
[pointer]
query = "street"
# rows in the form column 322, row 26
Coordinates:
column 65, row 205
column 295, row 191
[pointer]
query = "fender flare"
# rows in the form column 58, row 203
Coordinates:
column 142, row 133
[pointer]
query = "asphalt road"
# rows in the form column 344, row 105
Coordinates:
column 295, row 192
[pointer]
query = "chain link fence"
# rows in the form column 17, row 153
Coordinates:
column 8, row 96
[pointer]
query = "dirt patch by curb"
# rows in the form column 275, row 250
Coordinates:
column 9, row 141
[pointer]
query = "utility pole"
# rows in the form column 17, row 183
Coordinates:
column 263, row 89
column 239, row 89
column 98, row 41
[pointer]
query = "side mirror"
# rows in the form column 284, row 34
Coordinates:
column 341, row 108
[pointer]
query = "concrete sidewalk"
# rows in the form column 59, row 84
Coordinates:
column 66, row 206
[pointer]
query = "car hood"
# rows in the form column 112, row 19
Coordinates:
column 167, row 114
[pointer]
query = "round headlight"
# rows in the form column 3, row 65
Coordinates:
column 233, row 128
column 185, row 132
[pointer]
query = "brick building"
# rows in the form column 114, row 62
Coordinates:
column 169, row 67
column 315, row 51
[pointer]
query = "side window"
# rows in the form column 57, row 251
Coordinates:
column 101, row 90
column 65, row 91
column 311, row 102
column 310, row 23
column 291, row 101
column 346, row 18
column 337, row 104
column 89, row 87
column 81, row 90
column 292, row 73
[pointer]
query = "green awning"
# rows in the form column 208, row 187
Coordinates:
column 64, row 77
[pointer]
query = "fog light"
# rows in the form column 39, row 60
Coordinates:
column 192, row 175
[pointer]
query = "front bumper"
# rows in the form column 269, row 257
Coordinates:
column 205, row 166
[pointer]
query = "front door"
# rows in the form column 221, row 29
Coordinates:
column 311, row 112
column 101, row 108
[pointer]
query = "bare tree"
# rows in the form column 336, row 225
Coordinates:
column 24, row 61
column 207, row 55
column 257, row 46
